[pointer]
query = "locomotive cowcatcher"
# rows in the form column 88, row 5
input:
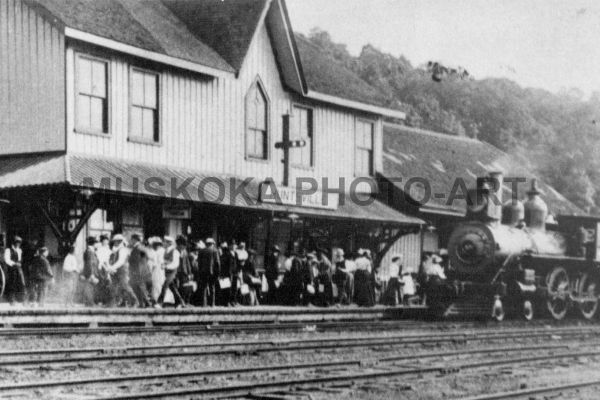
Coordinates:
column 510, row 256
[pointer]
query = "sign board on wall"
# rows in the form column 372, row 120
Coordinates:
column 176, row 212
column 290, row 196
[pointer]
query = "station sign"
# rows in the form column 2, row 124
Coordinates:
column 290, row 196
column 176, row 212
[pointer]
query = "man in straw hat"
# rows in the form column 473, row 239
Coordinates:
column 119, row 268
column 171, row 265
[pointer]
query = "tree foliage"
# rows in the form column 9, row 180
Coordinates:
column 557, row 134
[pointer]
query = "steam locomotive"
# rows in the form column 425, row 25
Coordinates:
column 508, row 254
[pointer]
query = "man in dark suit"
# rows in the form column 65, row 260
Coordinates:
column 139, row 272
column 209, row 264
column 90, row 272
column 226, row 295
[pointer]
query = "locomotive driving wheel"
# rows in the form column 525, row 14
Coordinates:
column 588, row 291
column 557, row 302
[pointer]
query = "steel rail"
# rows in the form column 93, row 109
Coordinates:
column 301, row 345
column 122, row 349
column 267, row 326
column 243, row 389
column 273, row 367
column 220, row 328
column 534, row 391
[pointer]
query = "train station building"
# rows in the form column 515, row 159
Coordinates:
column 182, row 117
column 172, row 117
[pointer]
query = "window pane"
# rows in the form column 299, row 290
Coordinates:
column 84, row 76
column 136, row 121
column 303, row 123
column 360, row 134
column 261, row 114
column 148, row 123
column 251, row 115
column 99, row 79
column 97, row 114
column 150, row 85
column 307, row 152
column 258, row 147
column 137, row 88
column 368, row 135
column 83, row 112
column 256, row 122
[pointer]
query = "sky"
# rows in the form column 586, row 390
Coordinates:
column 547, row 44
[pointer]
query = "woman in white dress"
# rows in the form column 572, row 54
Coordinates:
column 155, row 262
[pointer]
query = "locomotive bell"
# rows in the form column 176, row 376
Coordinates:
column 536, row 210
column 513, row 211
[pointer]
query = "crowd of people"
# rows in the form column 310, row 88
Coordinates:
column 176, row 271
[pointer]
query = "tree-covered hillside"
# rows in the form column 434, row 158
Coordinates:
column 557, row 134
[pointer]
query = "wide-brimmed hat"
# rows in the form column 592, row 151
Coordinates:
column 17, row 239
column 154, row 240
column 91, row 240
column 118, row 238
column 169, row 239
column 209, row 241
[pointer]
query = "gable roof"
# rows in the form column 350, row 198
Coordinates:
column 147, row 25
column 441, row 158
column 326, row 75
column 226, row 26
column 215, row 35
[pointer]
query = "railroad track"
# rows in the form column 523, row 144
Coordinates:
column 227, row 328
column 60, row 356
column 279, row 384
column 50, row 330
column 274, row 367
column 545, row 390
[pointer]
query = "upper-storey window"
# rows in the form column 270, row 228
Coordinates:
column 302, row 129
column 144, row 113
column 363, row 162
column 257, row 122
column 91, row 113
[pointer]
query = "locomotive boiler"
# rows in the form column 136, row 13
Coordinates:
column 509, row 254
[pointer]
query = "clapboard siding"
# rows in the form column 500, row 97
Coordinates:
column 203, row 121
column 32, row 70
column 410, row 247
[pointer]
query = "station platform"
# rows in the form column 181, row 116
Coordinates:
column 24, row 317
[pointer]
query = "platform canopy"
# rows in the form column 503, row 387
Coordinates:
column 103, row 175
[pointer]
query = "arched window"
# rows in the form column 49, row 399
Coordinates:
column 257, row 122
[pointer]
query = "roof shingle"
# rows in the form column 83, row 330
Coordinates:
column 226, row 26
column 148, row 25
column 441, row 159
column 326, row 75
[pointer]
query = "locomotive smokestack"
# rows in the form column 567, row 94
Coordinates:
column 536, row 210
column 496, row 182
